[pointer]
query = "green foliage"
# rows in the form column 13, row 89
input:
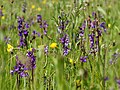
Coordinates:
column 54, row 71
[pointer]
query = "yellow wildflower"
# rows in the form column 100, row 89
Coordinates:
column 3, row 17
column 44, row 1
column 30, row 49
column 53, row 45
column 109, row 25
column 9, row 48
column 39, row 9
column 33, row 6
column 71, row 61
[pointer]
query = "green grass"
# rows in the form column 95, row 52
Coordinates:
column 55, row 71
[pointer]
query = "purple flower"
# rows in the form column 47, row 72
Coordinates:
column 93, row 24
column 25, row 33
column 12, row 72
column 93, row 14
column 34, row 32
column 20, row 33
column 114, row 58
column 32, row 58
column 38, row 34
column 23, row 36
column 62, row 27
column 84, row 25
column 66, row 50
column 83, row 59
column 19, row 69
column 102, row 25
column 62, row 23
column 45, row 25
column 65, row 41
column 118, row 81
column 91, row 37
column 22, row 43
column 23, row 74
column 99, row 32
column 20, row 23
column 45, row 32
column 39, row 18
column 106, row 78
column 81, row 32
column 27, row 25
column 46, row 50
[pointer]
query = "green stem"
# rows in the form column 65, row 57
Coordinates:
column 104, row 58
column 18, row 82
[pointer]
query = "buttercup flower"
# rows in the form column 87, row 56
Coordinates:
column 39, row 9
column 53, row 45
column 9, row 48
column 33, row 6
column 71, row 61
column 3, row 17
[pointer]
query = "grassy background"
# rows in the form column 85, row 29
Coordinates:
column 59, row 73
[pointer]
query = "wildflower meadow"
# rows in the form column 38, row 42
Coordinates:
column 59, row 44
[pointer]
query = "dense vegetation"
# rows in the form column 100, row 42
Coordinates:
column 59, row 45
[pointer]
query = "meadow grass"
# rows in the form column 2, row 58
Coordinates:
column 79, row 51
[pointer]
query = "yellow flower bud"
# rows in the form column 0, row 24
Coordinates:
column 39, row 9
column 109, row 25
column 71, row 61
column 3, row 17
